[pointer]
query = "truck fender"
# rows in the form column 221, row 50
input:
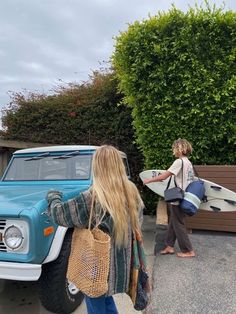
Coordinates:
column 56, row 244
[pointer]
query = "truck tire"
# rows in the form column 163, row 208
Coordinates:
column 55, row 292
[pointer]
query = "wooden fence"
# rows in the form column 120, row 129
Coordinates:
column 218, row 221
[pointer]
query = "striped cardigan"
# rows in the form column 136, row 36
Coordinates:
column 75, row 213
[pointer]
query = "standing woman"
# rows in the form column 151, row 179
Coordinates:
column 182, row 169
column 115, row 201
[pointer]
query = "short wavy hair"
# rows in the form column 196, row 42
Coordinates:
column 182, row 146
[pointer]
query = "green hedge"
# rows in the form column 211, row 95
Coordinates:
column 178, row 73
column 89, row 113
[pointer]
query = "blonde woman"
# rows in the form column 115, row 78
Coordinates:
column 182, row 169
column 117, row 200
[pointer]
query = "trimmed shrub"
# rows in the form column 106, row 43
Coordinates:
column 177, row 71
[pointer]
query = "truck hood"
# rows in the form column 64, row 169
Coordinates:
column 14, row 199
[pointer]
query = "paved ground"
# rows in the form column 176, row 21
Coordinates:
column 205, row 284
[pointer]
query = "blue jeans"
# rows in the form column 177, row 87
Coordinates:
column 101, row 305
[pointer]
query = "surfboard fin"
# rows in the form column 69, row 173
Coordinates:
column 216, row 209
column 231, row 202
column 216, row 187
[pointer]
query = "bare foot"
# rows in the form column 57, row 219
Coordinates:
column 186, row 254
column 168, row 250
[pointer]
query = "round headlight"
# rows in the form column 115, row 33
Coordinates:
column 13, row 237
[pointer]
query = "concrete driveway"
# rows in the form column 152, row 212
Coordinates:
column 201, row 285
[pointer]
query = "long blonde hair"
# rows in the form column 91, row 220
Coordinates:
column 115, row 193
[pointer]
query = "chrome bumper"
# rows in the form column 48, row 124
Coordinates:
column 20, row 271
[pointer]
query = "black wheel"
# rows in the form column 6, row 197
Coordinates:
column 55, row 292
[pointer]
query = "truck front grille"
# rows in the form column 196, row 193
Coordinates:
column 2, row 224
column 2, row 227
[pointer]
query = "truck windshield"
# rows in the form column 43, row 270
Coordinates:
column 76, row 167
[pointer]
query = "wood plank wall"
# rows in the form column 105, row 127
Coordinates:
column 218, row 221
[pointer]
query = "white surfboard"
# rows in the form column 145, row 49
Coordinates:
column 218, row 197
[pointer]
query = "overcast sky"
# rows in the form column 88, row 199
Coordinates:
column 44, row 41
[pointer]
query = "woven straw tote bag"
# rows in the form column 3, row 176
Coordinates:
column 89, row 260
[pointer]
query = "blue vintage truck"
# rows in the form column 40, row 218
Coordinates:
column 32, row 248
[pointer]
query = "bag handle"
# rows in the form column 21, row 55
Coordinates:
column 91, row 214
column 195, row 172
column 168, row 184
column 182, row 167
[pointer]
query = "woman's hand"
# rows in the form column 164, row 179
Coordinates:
column 53, row 194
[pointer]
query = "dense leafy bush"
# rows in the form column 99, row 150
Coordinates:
column 178, row 73
column 75, row 114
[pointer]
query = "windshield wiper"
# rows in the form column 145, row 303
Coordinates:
column 68, row 155
column 40, row 156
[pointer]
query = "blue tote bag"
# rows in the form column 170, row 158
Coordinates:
column 193, row 196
